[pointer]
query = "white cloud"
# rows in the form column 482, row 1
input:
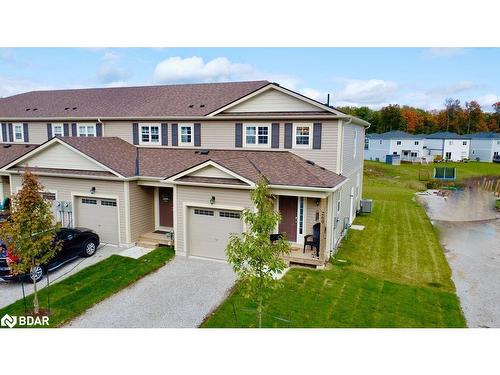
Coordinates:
column 488, row 100
column 195, row 69
column 110, row 72
column 444, row 52
column 371, row 92
column 453, row 89
column 12, row 86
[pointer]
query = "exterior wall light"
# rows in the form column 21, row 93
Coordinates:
column 212, row 200
column 92, row 190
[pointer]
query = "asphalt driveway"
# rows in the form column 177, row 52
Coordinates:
column 178, row 295
column 11, row 291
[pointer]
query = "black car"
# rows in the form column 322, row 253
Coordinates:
column 76, row 242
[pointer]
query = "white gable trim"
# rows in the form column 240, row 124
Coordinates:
column 281, row 89
column 42, row 147
column 198, row 167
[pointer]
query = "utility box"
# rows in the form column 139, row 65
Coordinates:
column 366, row 205
column 393, row 159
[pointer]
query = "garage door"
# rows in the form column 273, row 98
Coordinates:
column 100, row 215
column 208, row 231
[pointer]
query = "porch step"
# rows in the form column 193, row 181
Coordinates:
column 147, row 244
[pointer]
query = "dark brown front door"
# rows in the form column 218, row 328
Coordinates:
column 166, row 207
column 288, row 210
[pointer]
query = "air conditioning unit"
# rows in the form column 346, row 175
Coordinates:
column 366, row 205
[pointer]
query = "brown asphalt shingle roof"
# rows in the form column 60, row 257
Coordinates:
column 10, row 152
column 143, row 101
column 279, row 167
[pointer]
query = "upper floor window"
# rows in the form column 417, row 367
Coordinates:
column 57, row 130
column 186, row 135
column 450, row 142
column 417, row 143
column 256, row 135
column 464, row 143
column 398, row 143
column 150, row 134
column 18, row 133
column 367, row 143
column 86, row 130
column 302, row 136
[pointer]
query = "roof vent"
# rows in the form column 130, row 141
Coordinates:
column 66, row 108
column 191, row 105
column 27, row 109
column 35, row 109
column 6, row 146
column 310, row 162
column 202, row 105
column 204, row 152
column 74, row 108
column 26, row 146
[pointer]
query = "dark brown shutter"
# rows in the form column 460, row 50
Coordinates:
column 98, row 129
column 317, row 135
column 288, row 134
column 238, row 135
column 49, row 130
column 275, row 135
column 26, row 133
column 74, row 133
column 4, row 132
column 11, row 133
column 175, row 137
column 66, row 130
column 164, row 134
column 197, row 134
column 135, row 133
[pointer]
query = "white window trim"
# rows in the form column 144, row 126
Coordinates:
column 86, row 129
column 141, row 142
column 309, row 145
column 14, row 133
column 62, row 129
column 179, row 135
column 256, row 144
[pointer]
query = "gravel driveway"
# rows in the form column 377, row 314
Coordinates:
column 178, row 295
column 11, row 291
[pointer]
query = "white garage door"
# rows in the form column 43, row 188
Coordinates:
column 100, row 215
column 208, row 231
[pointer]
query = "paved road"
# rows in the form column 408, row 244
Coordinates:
column 180, row 294
column 11, row 291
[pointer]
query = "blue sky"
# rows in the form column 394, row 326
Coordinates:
column 353, row 76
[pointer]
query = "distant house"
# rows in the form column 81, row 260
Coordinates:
column 409, row 147
column 485, row 146
column 450, row 146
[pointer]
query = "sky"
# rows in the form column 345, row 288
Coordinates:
column 374, row 77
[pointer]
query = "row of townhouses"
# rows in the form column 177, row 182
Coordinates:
column 483, row 147
column 177, row 163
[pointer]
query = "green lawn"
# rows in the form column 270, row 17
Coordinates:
column 395, row 274
column 77, row 293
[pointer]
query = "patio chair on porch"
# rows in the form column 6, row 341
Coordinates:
column 312, row 240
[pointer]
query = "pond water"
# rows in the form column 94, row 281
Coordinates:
column 469, row 230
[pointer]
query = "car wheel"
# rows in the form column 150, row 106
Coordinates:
column 89, row 248
column 37, row 274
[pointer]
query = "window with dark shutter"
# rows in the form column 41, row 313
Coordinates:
column 317, row 135
column 175, row 136
column 275, row 135
column 26, row 135
column 49, row 131
column 66, row 130
column 164, row 134
column 98, row 129
column 73, row 130
column 135, row 133
column 197, row 134
column 288, row 134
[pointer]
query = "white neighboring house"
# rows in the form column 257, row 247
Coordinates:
column 450, row 146
column 485, row 147
column 396, row 142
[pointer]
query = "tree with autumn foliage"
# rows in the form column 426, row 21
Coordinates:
column 30, row 232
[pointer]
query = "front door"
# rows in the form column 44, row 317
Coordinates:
column 166, row 207
column 288, row 211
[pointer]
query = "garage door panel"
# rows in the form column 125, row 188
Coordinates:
column 209, row 230
column 100, row 215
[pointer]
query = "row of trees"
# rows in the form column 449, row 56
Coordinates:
column 469, row 118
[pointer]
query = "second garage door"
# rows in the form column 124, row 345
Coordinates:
column 208, row 231
column 100, row 215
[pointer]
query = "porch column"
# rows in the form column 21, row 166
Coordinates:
column 323, row 206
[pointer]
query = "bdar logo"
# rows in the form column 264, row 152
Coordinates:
column 8, row 321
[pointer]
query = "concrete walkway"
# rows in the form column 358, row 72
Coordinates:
column 179, row 295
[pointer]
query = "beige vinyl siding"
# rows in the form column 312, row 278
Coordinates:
column 142, row 217
column 311, row 210
column 64, row 187
column 273, row 101
column 37, row 132
column 201, row 195
column 121, row 129
column 60, row 156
